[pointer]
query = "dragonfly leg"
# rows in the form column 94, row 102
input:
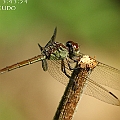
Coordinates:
column 75, row 68
column 63, row 68
column 75, row 85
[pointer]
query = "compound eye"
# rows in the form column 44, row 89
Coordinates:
column 73, row 48
column 75, row 45
column 69, row 44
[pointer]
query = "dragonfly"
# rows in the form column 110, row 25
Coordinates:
column 60, row 60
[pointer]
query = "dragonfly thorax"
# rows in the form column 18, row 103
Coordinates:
column 55, row 51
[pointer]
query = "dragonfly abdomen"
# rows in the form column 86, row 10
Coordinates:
column 23, row 63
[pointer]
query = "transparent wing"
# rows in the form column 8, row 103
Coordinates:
column 103, row 74
column 92, row 88
column 95, row 90
column 54, row 68
column 52, row 38
column 106, row 75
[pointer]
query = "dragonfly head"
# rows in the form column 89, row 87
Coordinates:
column 73, row 48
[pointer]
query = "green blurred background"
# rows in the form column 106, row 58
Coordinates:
column 31, row 94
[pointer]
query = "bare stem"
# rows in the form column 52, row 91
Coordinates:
column 71, row 97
